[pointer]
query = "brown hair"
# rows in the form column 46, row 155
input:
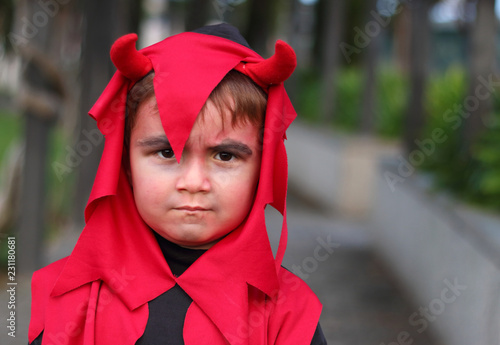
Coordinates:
column 236, row 92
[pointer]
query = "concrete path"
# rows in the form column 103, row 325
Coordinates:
column 362, row 303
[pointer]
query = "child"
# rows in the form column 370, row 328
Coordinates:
column 175, row 248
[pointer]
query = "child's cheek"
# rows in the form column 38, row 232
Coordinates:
column 228, row 185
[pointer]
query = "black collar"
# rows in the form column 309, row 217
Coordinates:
column 178, row 258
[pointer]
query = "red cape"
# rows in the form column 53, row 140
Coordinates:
column 241, row 294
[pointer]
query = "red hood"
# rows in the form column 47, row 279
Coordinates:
column 116, row 241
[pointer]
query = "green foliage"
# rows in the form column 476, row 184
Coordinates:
column 474, row 177
column 308, row 97
column 349, row 92
column 10, row 130
column 391, row 93
column 443, row 99
column 392, row 98
column 483, row 184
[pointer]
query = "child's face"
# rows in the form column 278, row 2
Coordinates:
column 196, row 202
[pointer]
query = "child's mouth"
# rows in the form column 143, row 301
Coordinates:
column 191, row 208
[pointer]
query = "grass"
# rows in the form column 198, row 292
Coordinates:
column 10, row 131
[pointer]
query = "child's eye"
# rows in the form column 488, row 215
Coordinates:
column 166, row 153
column 225, row 156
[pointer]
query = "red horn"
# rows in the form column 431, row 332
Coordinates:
column 131, row 63
column 275, row 69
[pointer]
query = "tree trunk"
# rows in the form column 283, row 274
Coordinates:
column 331, row 33
column 97, row 70
column 41, row 95
column 260, row 25
column 368, row 111
column 301, row 30
column 32, row 220
column 198, row 13
column 420, row 35
column 482, row 67
column 401, row 33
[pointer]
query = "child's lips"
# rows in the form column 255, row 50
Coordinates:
column 188, row 208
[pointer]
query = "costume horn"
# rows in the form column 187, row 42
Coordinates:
column 131, row 63
column 273, row 70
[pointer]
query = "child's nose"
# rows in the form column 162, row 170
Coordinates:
column 194, row 176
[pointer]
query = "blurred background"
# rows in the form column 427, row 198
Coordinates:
column 394, row 159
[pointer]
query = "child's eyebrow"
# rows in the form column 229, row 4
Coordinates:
column 233, row 145
column 160, row 140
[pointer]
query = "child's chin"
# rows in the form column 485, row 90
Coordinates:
column 196, row 244
column 188, row 240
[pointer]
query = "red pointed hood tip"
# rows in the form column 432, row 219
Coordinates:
column 273, row 70
column 130, row 62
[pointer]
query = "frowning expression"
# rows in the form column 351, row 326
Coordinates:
column 198, row 201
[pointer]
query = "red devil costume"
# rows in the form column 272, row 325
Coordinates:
column 123, row 284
